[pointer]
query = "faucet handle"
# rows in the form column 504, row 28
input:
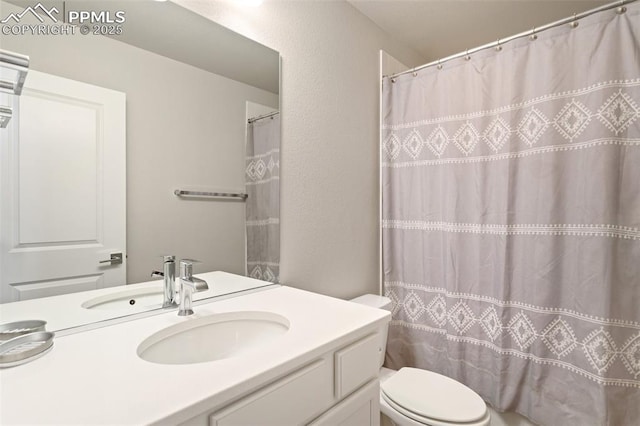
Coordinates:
column 188, row 285
column 186, row 267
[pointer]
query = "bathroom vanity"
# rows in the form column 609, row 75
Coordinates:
column 320, row 368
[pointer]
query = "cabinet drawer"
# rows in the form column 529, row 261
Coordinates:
column 292, row 400
column 359, row 409
column 356, row 364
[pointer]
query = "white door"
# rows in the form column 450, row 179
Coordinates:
column 62, row 189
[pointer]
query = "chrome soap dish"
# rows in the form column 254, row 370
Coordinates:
column 23, row 341
column 18, row 328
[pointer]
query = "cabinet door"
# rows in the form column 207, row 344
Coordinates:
column 292, row 400
column 362, row 408
column 356, row 364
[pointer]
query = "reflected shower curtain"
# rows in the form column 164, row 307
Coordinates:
column 262, row 180
column 511, row 222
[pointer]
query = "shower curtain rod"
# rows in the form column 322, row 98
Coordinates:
column 260, row 117
column 572, row 20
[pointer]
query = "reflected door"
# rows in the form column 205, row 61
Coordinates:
column 62, row 189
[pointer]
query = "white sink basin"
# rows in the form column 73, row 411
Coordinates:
column 128, row 300
column 213, row 337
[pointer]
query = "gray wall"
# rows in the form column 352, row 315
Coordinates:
column 330, row 121
column 185, row 127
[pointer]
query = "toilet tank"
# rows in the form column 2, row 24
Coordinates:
column 380, row 302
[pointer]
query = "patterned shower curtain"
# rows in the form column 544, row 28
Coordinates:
column 511, row 222
column 262, row 177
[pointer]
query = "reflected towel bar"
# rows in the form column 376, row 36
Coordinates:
column 181, row 193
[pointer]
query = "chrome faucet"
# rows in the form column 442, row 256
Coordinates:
column 188, row 285
column 169, row 274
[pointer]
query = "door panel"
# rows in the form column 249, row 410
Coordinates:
column 58, row 171
column 63, row 189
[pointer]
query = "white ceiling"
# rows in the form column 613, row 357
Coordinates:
column 439, row 28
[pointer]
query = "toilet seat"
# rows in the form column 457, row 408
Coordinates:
column 432, row 399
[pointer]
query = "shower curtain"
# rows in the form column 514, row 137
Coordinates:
column 262, row 177
column 511, row 222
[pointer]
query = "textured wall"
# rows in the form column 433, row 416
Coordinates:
column 329, row 102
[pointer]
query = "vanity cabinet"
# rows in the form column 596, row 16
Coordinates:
column 323, row 371
column 291, row 400
column 360, row 408
column 338, row 388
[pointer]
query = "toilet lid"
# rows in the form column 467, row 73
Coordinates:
column 434, row 396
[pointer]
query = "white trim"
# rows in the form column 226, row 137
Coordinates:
column 524, row 355
column 520, row 105
column 511, row 155
column 557, row 229
column 264, row 222
column 266, row 154
column 515, row 304
column 257, row 182
column 257, row 262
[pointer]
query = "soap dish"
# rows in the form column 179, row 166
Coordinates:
column 11, row 330
column 25, row 348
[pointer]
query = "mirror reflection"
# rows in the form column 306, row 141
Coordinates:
column 109, row 127
column 262, row 170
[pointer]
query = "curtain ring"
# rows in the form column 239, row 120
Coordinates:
column 439, row 65
column 415, row 74
column 467, row 57
column 498, row 47
column 622, row 9
column 575, row 22
column 533, row 35
column 393, row 80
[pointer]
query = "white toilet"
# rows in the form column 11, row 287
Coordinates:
column 416, row 397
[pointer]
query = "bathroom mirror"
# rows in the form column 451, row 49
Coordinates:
column 176, row 90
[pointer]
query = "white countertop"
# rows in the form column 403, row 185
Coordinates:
column 95, row 377
column 66, row 311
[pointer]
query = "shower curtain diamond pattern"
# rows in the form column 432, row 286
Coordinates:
column 262, row 181
column 511, row 243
